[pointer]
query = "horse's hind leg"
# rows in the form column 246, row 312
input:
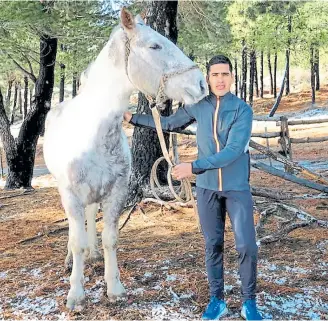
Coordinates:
column 92, row 254
column 77, row 243
column 112, row 208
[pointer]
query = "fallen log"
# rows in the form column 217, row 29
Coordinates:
column 280, row 158
column 305, row 121
column 306, row 218
column 309, row 140
column 282, row 233
column 266, row 135
column 273, row 194
column 289, row 177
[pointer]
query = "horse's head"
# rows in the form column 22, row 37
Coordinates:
column 156, row 66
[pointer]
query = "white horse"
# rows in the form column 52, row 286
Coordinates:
column 86, row 149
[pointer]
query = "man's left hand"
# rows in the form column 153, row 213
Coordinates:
column 182, row 170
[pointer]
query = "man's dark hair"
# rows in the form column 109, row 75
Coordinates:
column 219, row 59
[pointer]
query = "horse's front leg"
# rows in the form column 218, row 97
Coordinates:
column 112, row 208
column 92, row 253
column 77, row 244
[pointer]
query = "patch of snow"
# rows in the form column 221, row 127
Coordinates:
column 295, row 306
column 171, row 278
column 37, row 273
column 148, row 274
column 138, row 291
column 280, row 281
column 3, row 275
column 27, row 306
column 187, row 295
column 157, row 287
column 323, row 245
column 65, row 280
column 228, row 288
column 96, row 291
column 317, row 113
column 296, row 270
column 158, row 312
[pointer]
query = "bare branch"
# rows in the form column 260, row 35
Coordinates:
column 30, row 75
column 29, row 63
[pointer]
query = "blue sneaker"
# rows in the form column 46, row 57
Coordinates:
column 249, row 311
column 215, row 310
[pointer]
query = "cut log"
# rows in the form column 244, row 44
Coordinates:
column 305, row 121
column 270, row 193
column 289, row 177
column 266, row 135
column 309, row 140
column 280, row 158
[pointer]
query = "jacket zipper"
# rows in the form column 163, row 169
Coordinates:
column 215, row 126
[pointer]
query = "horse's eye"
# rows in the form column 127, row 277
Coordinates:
column 155, row 46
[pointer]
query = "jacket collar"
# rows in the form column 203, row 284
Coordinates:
column 213, row 99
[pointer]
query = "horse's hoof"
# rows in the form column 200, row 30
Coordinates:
column 114, row 297
column 76, row 305
column 117, row 295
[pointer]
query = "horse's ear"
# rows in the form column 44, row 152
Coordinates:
column 127, row 19
column 138, row 19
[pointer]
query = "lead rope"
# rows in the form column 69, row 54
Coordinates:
column 186, row 189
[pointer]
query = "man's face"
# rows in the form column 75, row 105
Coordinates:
column 220, row 79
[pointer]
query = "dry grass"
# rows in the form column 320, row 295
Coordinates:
column 163, row 243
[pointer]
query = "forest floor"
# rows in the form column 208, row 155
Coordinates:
column 161, row 252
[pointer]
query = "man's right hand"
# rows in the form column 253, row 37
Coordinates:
column 127, row 116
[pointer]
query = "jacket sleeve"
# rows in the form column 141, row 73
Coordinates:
column 238, row 139
column 181, row 119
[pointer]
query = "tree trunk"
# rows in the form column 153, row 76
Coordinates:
column 287, row 75
column 31, row 98
column 251, row 76
column 312, row 74
column 7, row 139
column 236, row 77
column 275, row 75
column 240, row 84
column 289, row 27
column 62, row 83
column 25, row 95
column 7, row 104
column 13, row 112
column 20, row 101
column 281, row 92
column 316, row 68
column 270, row 72
column 244, row 71
column 161, row 15
column 21, row 154
column 256, row 82
column 261, row 75
column 74, row 85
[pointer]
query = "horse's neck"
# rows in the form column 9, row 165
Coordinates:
column 108, row 88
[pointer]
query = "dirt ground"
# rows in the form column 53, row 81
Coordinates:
column 161, row 254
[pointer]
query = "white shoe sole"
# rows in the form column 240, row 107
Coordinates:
column 224, row 313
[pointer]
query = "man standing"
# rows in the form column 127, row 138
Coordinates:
column 224, row 124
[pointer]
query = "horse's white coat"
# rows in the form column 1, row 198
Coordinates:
column 87, row 151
